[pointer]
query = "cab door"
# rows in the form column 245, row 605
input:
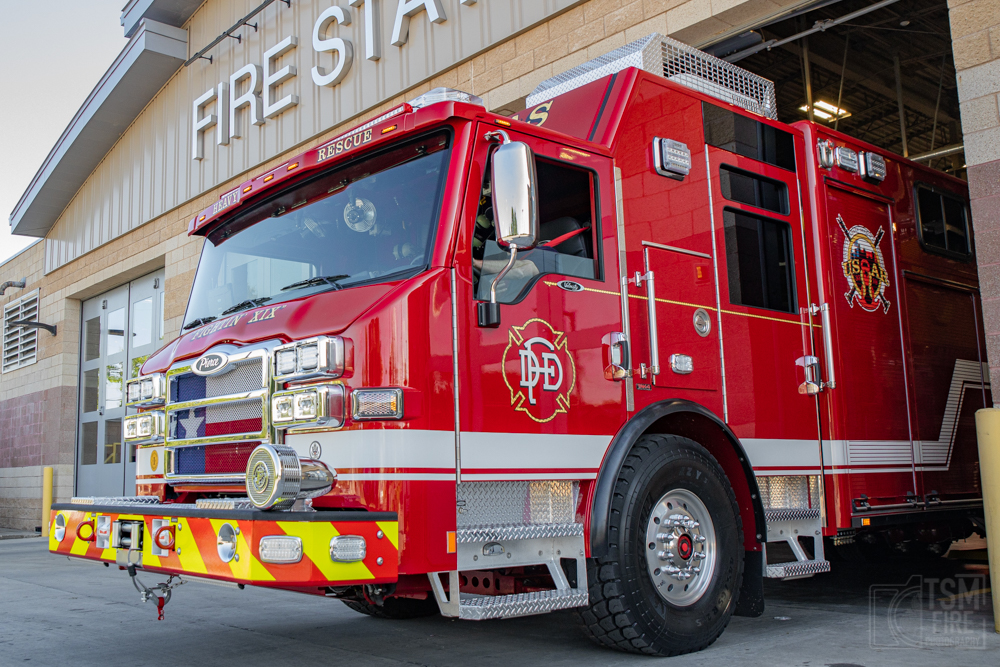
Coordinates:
column 535, row 404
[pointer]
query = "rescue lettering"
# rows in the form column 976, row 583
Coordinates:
column 341, row 145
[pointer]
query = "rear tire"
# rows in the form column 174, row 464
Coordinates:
column 396, row 608
column 630, row 608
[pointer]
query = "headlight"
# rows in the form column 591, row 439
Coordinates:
column 284, row 361
column 316, row 357
column 145, row 427
column 147, row 391
column 315, row 405
column 377, row 404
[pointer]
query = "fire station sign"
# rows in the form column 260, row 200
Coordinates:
column 366, row 46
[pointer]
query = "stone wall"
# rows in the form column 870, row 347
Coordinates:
column 975, row 31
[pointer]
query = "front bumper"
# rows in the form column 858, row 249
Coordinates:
column 195, row 551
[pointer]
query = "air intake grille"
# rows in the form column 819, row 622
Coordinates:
column 213, row 459
column 216, row 420
column 673, row 60
column 244, row 377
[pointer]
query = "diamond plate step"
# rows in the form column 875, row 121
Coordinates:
column 484, row 607
column 500, row 533
column 797, row 569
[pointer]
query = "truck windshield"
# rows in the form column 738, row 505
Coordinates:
column 371, row 221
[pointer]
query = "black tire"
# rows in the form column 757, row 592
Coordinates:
column 625, row 611
column 396, row 608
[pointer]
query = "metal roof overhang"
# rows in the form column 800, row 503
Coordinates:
column 154, row 53
column 171, row 12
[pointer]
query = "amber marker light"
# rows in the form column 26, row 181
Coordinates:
column 866, row 522
column 268, row 177
column 201, row 218
column 505, row 123
column 389, row 129
column 247, row 189
column 293, row 165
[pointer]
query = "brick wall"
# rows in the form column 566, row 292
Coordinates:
column 975, row 31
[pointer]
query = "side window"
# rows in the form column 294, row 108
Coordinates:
column 566, row 206
column 944, row 223
column 759, row 260
column 753, row 189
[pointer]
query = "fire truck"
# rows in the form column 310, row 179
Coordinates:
column 629, row 351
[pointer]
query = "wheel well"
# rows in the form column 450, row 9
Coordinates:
column 689, row 420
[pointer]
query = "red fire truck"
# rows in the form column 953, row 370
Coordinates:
column 629, row 351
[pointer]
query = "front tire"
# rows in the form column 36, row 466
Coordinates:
column 669, row 582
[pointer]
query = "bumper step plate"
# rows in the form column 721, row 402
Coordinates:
column 484, row 607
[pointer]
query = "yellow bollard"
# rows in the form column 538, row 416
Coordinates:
column 46, row 499
column 988, row 435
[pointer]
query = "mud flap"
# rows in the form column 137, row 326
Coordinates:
column 751, row 600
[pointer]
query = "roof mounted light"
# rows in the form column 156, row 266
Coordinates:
column 444, row 95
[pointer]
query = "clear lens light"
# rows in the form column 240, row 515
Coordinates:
column 145, row 426
column 131, row 428
column 306, row 405
column 308, row 357
column 280, row 549
column 347, row 548
column 378, row 404
column 146, row 388
column 282, row 410
column 285, row 361
column 133, row 392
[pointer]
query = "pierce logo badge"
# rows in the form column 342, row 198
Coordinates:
column 210, row 364
column 864, row 268
column 539, row 370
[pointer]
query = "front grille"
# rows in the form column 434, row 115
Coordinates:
column 245, row 376
column 222, row 419
column 225, row 459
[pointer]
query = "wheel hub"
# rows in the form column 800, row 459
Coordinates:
column 680, row 547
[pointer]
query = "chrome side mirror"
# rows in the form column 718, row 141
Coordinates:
column 515, row 211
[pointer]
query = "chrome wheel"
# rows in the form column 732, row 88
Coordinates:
column 681, row 549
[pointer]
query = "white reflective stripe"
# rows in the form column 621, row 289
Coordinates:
column 773, row 452
column 532, row 450
column 380, row 448
column 521, row 476
column 398, row 476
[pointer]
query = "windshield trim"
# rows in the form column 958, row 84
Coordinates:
column 445, row 129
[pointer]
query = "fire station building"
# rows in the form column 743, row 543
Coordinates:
column 210, row 93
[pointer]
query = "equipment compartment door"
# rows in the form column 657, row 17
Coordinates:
column 871, row 435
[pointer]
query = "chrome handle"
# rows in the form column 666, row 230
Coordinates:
column 824, row 311
column 654, row 339
column 810, row 367
column 616, row 356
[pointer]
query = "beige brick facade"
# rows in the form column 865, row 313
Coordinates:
column 975, row 31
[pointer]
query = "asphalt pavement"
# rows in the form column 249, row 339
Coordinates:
column 54, row 611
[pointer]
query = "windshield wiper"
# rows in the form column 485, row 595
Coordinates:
column 198, row 322
column 318, row 280
column 243, row 305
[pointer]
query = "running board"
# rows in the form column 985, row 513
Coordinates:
column 796, row 569
column 490, row 547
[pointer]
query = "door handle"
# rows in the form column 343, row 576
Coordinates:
column 813, row 383
column 824, row 311
column 616, row 356
column 654, row 339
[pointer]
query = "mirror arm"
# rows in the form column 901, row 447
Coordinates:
column 498, row 136
column 503, row 272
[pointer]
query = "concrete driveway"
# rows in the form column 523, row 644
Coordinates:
column 61, row 612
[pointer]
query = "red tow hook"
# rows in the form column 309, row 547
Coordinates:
column 160, row 604
column 93, row 531
column 164, row 538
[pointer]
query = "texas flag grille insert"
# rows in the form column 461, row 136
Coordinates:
column 232, row 418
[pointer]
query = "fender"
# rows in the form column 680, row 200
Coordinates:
column 621, row 444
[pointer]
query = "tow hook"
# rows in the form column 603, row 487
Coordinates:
column 160, row 592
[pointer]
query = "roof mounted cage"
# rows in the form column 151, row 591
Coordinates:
column 677, row 62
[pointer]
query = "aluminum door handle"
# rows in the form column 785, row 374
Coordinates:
column 654, row 338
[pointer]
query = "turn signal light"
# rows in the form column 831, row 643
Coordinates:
column 280, row 549
column 377, row 404
column 347, row 548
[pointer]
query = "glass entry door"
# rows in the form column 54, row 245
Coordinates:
column 120, row 329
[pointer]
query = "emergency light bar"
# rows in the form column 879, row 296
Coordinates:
column 677, row 62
